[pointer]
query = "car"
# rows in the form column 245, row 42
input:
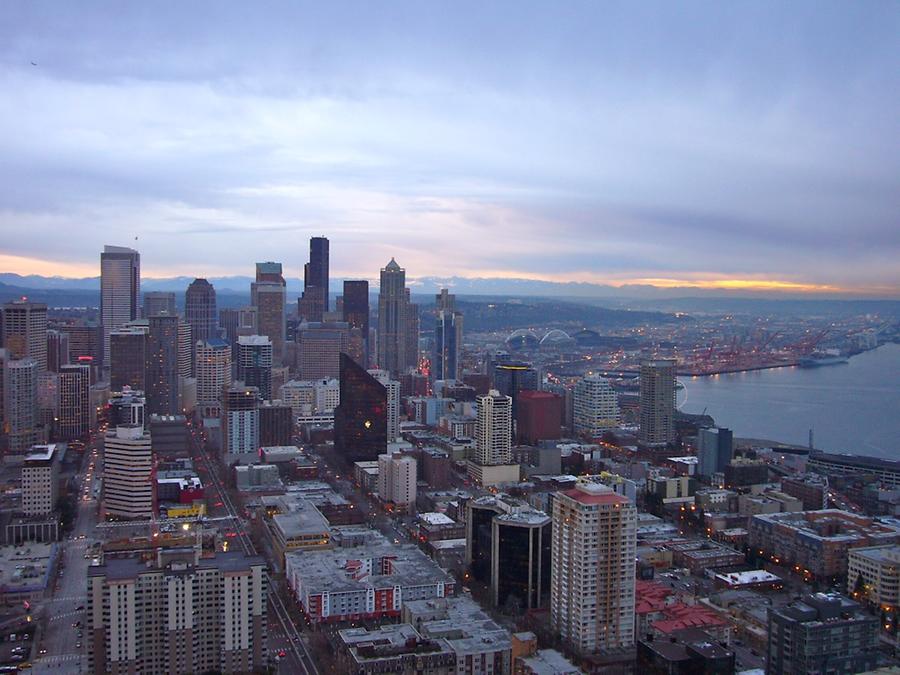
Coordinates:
column 282, row 653
column 77, row 645
column 42, row 651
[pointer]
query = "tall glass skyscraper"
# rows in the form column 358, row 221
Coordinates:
column 314, row 302
column 200, row 310
column 120, row 288
column 393, row 324
column 360, row 421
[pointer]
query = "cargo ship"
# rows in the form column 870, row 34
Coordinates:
column 818, row 360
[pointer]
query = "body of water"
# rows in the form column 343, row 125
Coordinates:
column 852, row 407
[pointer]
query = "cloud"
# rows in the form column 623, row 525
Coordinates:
column 747, row 141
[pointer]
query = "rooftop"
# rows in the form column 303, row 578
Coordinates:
column 595, row 493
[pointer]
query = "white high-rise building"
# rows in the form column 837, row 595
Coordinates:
column 393, row 403
column 40, row 474
column 120, row 290
column 213, row 372
column 128, row 473
column 397, row 479
column 493, row 429
column 592, row 572
column 596, row 406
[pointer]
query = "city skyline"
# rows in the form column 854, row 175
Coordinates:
column 728, row 147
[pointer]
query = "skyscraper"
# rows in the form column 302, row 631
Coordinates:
column 319, row 346
column 356, row 311
column 57, row 349
column 447, row 340
column 657, row 402
column 592, row 571
column 128, row 473
column 596, row 406
column 20, row 380
column 493, row 429
column 392, row 387
column 213, row 370
column 185, row 349
column 393, row 324
column 314, row 302
column 200, row 310
column 162, row 366
column 74, row 401
column 360, row 420
column 397, row 480
column 240, row 432
column 128, row 356
column 254, row 367
column 514, row 376
column 158, row 302
column 25, row 331
column 715, row 449
column 120, row 288
column 269, row 298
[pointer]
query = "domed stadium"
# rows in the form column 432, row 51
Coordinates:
column 587, row 337
column 522, row 339
column 557, row 339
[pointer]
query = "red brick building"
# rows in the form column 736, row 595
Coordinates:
column 538, row 417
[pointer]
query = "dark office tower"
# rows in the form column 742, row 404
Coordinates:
column 120, row 289
column 319, row 346
column 412, row 333
column 512, row 377
column 25, row 331
column 158, row 302
column 162, row 366
column 538, row 416
column 314, row 302
column 127, row 357
column 254, row 366
column 228, row 324
column 360, row 421
column 200, row 310
column 356, row 310
column 447, row 341
column 657, row 402
column 85, row 342
column 392, row 322
column 276, row 426
column 57, row 349
column 74, row 401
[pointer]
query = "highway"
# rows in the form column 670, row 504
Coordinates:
column 298, row 658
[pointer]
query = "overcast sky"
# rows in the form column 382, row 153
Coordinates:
column 589, row 141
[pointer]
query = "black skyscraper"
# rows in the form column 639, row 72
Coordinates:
column 314, row 302
column 360, row 421
column 162, row 366
column 356, row 308
column 200, row 310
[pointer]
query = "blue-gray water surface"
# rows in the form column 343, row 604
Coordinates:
column 852, row 407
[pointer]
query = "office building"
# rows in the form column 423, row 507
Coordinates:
column 74, row 408
column 85, row 342
column 200, row 310
column 412, row 334
column 120, row 289
column 128, row 473
column 158, row 302
column 508, row 546
column 268, row 295
column 254, row 366
column 276, row 424
column 356, row 312
column 162, row 370
column 314, row 302
column 821, row 633
column 596, row 407
column 538, row 417
column 319, row 348
column 448, row 330
column 185, row 350
column 360, row 421
column 57, row 349
column 873, row 576
column 24, row 331
column 397, row 480
column 657, row 402
column 213, row 370
column 592, row 576
column 512, row 377
column 810, row 488
column 180, row 613
column 240, row 423
column 20, row 380
column 40, row 480
column 491, row 463
column 393, row 403
column 715, row 450
column 128, row 356
column 393, row 324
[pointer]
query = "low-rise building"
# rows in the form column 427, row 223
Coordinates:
column 701, row 555
column 810, row 488
column 873, row 576
column 393, row 648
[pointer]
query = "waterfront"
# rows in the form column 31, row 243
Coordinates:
column 852, row 407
